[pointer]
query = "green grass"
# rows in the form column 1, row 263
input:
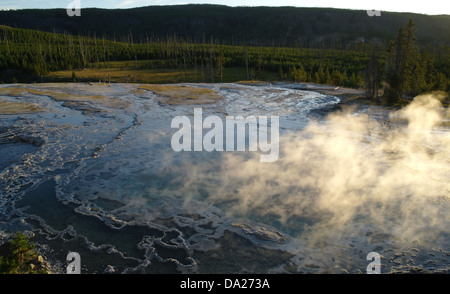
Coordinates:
column 148, row 72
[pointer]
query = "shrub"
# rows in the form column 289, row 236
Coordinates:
column 21, row 257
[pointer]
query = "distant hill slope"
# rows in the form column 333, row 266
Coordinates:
column 280, row 26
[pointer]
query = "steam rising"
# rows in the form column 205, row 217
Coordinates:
column 365, row 179
column 391, row 175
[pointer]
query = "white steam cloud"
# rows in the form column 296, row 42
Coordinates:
column 351, row 168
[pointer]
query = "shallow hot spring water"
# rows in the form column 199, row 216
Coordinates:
column 91, row 169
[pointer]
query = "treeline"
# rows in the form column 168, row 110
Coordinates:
column 257, row 26
column 398, row 68
column 406, row 69
column 38, row 53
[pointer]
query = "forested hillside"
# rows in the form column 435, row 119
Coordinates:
column 260, row 26
column 395, row 67
column 37, row 53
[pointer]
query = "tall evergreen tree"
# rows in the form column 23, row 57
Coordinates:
column 372, row 75
column 401, row 55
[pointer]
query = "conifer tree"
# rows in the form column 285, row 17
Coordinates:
column 402, row 53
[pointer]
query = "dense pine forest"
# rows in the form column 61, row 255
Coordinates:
column 396, row 68
column 322, row 28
